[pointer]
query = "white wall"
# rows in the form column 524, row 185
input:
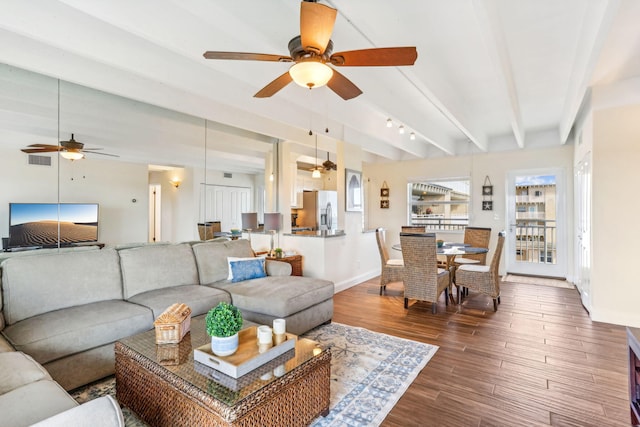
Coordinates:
column 495, row 165
column 112, row 184
column 615, row 232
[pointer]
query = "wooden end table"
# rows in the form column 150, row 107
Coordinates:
column 294, row 260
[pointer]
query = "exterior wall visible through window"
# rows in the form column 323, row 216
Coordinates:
column 442, row 204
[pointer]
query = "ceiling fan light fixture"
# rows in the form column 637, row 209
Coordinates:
column 71, row 155
column 311, row 74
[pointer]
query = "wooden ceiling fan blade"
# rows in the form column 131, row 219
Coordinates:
column 343, row 86
column 43, row 145
column 376, row 57
column 274, row 86
column 51, row 149
column 245, row 56
column 316, row 25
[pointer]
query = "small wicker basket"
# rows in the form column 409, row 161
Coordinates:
column 173, row 324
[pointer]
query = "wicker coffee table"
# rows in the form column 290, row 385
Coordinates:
column 175, row 394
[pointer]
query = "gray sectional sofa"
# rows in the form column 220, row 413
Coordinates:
column 65, row 310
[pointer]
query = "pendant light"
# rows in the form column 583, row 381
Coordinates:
column 316, row 171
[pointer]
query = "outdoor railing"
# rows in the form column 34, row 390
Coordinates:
column 439, row 223
column 536, row 242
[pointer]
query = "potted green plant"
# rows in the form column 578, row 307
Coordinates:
column 278, row 252
column 223, row 322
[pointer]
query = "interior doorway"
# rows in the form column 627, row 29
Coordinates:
column 536, row 210
column 155, row 212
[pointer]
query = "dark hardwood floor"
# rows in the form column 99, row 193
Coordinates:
column 538, row 361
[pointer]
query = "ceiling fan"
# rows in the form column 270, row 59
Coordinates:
column 329, row 165
column 71, row 149
column 312, row 51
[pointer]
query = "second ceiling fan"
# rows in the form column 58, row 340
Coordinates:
column 312, row 51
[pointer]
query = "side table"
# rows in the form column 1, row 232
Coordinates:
column 294, row 260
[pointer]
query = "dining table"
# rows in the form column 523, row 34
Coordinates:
column 450, row 250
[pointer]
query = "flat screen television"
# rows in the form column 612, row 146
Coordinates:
column 52, row 224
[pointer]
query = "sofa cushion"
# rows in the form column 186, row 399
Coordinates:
column 34, row 402
column 277, row 268
column 245, row 268
column 211, row 258
column 278, row 296
column 60, row 333
column 200, row 299
column 101, row 412
column 18, row 369
column 33, row 285
column 149, row 268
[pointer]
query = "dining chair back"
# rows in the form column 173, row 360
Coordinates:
column 477, row 237
column 423, row 280
column 391, row 268
column 483, row 278
column 413, row 229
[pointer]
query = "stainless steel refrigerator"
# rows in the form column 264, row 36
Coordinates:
column 320, row 210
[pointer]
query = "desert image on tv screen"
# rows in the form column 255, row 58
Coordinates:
column 36, row 224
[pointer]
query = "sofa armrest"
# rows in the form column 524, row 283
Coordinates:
column 101, row 412
column 277, row 268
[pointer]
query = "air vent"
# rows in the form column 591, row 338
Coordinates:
column 39, row 160
column 228, row 175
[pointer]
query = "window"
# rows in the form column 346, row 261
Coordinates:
column 439, row 204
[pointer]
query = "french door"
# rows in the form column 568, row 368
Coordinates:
column 583, row 230
column 536, row 212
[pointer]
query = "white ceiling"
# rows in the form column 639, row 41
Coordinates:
column 490, row 74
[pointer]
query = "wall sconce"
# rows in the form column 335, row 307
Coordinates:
column 389, row 123
column 176, row 181
column 401, row 129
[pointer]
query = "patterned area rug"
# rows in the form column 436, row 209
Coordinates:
column 369, row 373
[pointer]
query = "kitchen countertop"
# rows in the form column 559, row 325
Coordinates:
column 319, row 233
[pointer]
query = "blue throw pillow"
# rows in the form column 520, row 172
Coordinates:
column 247, row 269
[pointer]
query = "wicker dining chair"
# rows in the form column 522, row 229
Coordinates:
column 391, row 267
column 482, row 278
column 477, row 237
column 413, row 229
column 423, row 280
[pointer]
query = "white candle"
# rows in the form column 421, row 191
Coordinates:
column 265, row 335
column 279, row 326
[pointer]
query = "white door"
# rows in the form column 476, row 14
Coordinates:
column 225, row 204
column 583, row 230
column 536, row 210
